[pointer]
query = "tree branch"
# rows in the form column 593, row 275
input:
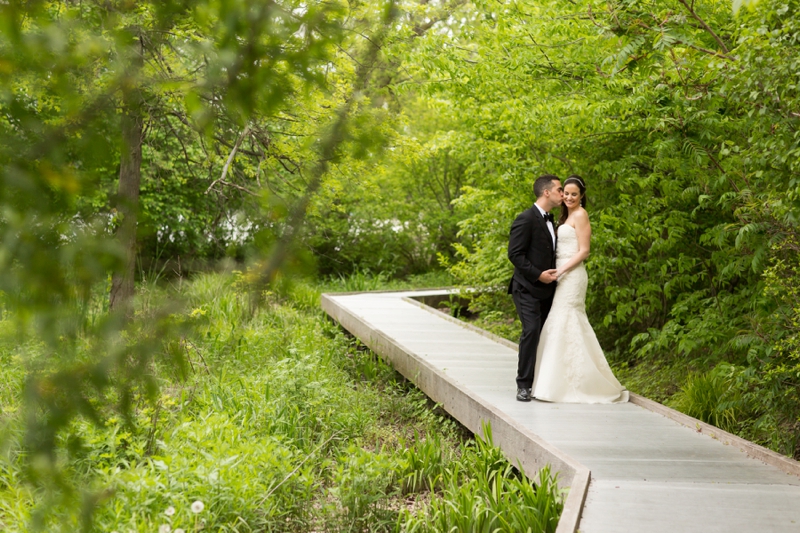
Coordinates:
column 327, row 149
column 230, row 159
column 706, row 26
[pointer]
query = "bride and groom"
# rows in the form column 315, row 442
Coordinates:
column 560, row 359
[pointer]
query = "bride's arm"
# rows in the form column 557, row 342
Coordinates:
column 584, row 231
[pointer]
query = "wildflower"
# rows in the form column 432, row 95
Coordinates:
column 164, row 528
column 198, row 506
column 170, row 511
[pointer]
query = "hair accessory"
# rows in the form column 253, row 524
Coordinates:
column 578, row 180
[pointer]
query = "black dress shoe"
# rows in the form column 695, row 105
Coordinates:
column 524, row 395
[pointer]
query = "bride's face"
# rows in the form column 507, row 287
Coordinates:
column 572, row 196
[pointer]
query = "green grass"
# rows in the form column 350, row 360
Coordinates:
column 712, row 397
column 484, row 493
column 280, row 422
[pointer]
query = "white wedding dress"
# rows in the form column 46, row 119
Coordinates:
column 570, row 365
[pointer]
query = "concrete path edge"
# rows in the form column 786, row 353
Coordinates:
column 520, row 445
column 782, row 462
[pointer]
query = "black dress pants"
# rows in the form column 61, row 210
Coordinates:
column 532, row 313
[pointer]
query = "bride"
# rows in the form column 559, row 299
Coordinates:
column 570, row 365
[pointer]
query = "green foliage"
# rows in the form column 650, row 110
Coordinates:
column 681, row 117
column 362, row 482
column 280, row 423
column 205, row 79
column 772, row 380
column 424, row 465
column 738, row 4
column 712, row 397
column 392, row 213
column 489, row 495
column 364, row 280
column 658, row 380
column 67, row 71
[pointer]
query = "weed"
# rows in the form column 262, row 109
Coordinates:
column 712, row 397
column 483, row 492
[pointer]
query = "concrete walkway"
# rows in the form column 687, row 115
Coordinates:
column 635, row 467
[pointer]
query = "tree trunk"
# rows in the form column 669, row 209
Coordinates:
column 130, row 177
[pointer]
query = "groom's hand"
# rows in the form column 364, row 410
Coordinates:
column 549, row 276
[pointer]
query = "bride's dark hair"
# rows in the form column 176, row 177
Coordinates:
column 577, row 180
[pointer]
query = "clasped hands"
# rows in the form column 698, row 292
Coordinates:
column 549, row 276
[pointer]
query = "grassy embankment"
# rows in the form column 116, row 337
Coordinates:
column 283, row 423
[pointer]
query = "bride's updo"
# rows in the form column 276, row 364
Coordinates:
column 578, row 181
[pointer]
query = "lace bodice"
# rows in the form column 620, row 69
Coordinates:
column 567, row 244
column 573, row 284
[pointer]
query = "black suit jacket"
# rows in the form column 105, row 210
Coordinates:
column 531, row 250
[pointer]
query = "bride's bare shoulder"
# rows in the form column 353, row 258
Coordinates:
column 579, row 214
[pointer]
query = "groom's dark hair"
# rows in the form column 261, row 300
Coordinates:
column 543, row 183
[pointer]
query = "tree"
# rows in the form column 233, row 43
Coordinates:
column 679, row 117
column 130, row 176
column 84, row 85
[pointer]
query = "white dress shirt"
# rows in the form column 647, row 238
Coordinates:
column 549, row 225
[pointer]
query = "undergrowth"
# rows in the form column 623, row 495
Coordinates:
column 279, row 422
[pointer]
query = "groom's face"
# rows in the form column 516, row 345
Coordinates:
column 554, row 194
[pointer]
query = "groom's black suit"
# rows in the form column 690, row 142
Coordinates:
column 531, row 250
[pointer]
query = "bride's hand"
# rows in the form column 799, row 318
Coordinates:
column 548, row 276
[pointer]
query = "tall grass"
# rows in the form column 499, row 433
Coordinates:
column 712, row 397
column 281, row 422
column 364, row 280
column 483, row 492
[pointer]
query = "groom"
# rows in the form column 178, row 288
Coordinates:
column 532, row 250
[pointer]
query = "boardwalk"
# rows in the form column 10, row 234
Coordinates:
column 636, row 467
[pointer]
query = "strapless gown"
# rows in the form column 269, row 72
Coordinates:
column 570, row 364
